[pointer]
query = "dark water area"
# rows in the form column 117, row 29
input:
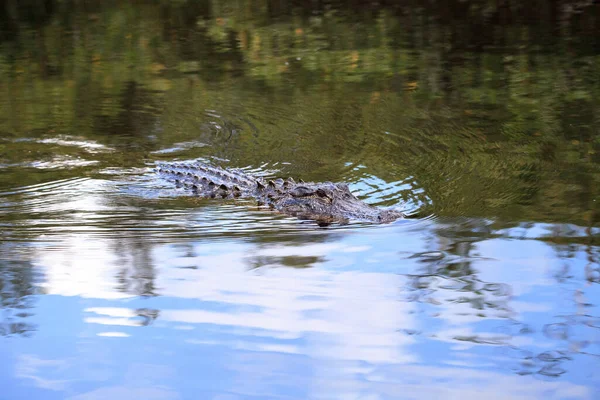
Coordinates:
column 479, row 119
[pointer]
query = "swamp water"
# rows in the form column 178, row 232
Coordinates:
column 480, row 121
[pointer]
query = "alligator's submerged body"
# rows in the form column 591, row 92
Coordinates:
column 324, row 202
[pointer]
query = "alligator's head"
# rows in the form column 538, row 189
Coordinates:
column 328, row 202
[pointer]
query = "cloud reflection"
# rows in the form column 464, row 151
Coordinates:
column 335, row 330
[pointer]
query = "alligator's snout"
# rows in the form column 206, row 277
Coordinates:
column 387, row 216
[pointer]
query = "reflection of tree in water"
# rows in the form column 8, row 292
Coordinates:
column 482, row 118
column 452, row 271
column 147, row 315
column 138, row 274
column 450, row 287
column 17, row 292
column 256, row 262
column 576, row 330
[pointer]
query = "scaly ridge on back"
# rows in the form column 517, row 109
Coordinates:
column 192, row 172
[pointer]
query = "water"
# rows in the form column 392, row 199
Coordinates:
column 479, row 120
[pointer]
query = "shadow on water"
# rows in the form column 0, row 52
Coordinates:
column 479, row 118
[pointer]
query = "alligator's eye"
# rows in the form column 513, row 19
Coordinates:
column 323, row 193
column 301, row 191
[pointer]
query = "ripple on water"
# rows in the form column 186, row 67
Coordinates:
column 138, row 205
column 401, row 195
column 91, row 146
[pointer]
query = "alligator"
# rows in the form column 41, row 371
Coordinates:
column 323, row 202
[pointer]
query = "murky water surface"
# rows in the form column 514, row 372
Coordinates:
column 479, row 119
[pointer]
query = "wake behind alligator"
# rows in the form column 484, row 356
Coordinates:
column 324, row 202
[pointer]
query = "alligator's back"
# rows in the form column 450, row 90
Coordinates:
column 324, row 202
column 207, row 180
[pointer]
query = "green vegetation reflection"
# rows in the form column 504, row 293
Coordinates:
column 480, row 109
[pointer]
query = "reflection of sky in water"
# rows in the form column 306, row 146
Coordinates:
column 370, row 320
